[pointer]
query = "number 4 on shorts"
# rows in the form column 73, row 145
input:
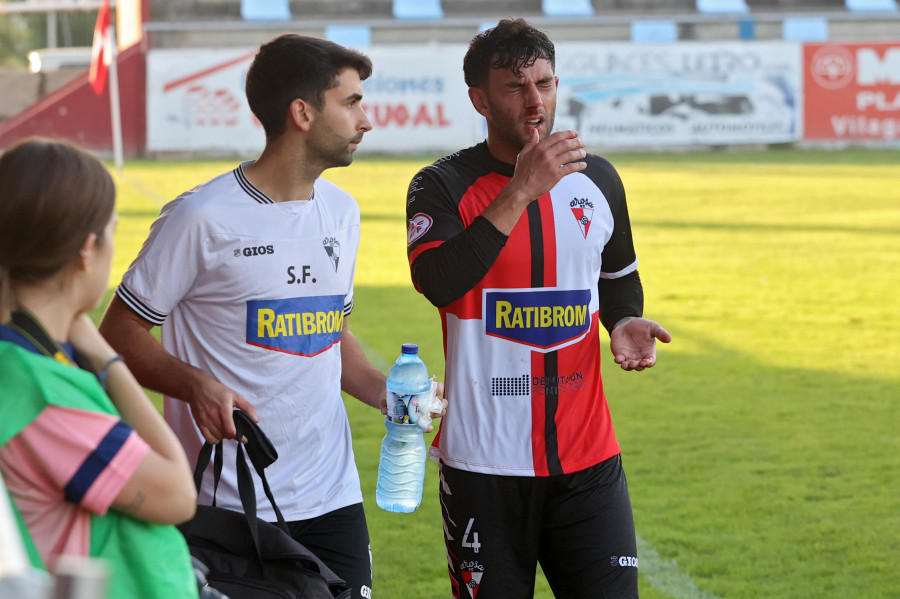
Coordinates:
column 474, row 545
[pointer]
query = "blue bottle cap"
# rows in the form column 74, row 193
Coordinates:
column 409, row 348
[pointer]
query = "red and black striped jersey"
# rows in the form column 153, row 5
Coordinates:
column 522, row 345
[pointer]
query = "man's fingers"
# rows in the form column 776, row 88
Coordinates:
column 533, row 140
column 245, row 406
column 229, row 431
column 572, row 167
column 564, row 136
column 662, row 334
column 208, row 435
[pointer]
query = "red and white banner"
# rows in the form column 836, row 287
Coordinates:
column 852, row 91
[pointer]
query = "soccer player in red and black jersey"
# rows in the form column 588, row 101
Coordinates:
column 523, row 243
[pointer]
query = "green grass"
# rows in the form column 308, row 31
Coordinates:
column 763, row 450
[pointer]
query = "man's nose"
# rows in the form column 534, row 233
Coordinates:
column 533, row 96
column 365, row 124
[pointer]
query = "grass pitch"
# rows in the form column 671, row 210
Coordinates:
column 762, row 451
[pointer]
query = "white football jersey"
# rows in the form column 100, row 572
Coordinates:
column 254, row 292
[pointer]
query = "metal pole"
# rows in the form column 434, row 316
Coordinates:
column 114, row 111
column 51, row 29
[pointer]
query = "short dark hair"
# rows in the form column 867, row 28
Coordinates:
column 512, row 44
column 295, row 66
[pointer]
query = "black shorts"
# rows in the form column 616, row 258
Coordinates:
column 579, row 527
column 341, row 540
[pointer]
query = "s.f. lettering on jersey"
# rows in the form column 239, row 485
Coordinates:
column 304, row 326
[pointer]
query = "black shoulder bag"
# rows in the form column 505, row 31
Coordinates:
column 249, row 558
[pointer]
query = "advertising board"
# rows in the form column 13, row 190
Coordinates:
column 852, row 91
column 416, row 100
column 685, row 93
column 613, row 94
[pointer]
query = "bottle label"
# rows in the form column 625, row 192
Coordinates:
column 415, row 408
column 397, row 410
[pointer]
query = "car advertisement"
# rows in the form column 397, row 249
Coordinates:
column 680, row 94
column 852, row 91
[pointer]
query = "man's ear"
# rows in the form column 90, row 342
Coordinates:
column 301, row 113
column 479, row 100
column 89, row 246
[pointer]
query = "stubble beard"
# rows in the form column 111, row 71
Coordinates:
column 331, row 149
column 511, row 132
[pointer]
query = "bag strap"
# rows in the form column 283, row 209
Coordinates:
column 246, row 488
column 24, row 323
column 248, row 497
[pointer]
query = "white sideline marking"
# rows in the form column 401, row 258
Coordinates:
column 377, row 360
column 664, row 575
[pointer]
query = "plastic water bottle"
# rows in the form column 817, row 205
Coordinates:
column 401, row 470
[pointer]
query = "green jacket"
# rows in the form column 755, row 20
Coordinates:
column 147, row 561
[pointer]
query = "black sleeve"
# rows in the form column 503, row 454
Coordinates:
column 620, row 298
column 446, row 273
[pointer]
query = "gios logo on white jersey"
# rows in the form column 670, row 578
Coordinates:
column 255, row 250
column 304, row 326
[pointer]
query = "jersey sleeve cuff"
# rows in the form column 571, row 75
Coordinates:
column 139, row 307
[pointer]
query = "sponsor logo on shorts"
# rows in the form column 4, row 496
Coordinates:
column 583, row 209
column 545, row 319
column 418, row 226
column 623, row 561
column 304, row 326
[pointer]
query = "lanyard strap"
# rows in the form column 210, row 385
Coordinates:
column 26, row 325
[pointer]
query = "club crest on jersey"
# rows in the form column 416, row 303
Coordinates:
column 418, row 226
column 333, row 249
column 543, row 319
column 471, row 575
column 303, row 326
column 583, row 209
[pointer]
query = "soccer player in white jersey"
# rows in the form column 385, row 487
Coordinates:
column 250, row 276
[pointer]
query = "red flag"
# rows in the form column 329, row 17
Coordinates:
column 100, row 53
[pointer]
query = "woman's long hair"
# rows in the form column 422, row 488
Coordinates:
column 52, row 196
